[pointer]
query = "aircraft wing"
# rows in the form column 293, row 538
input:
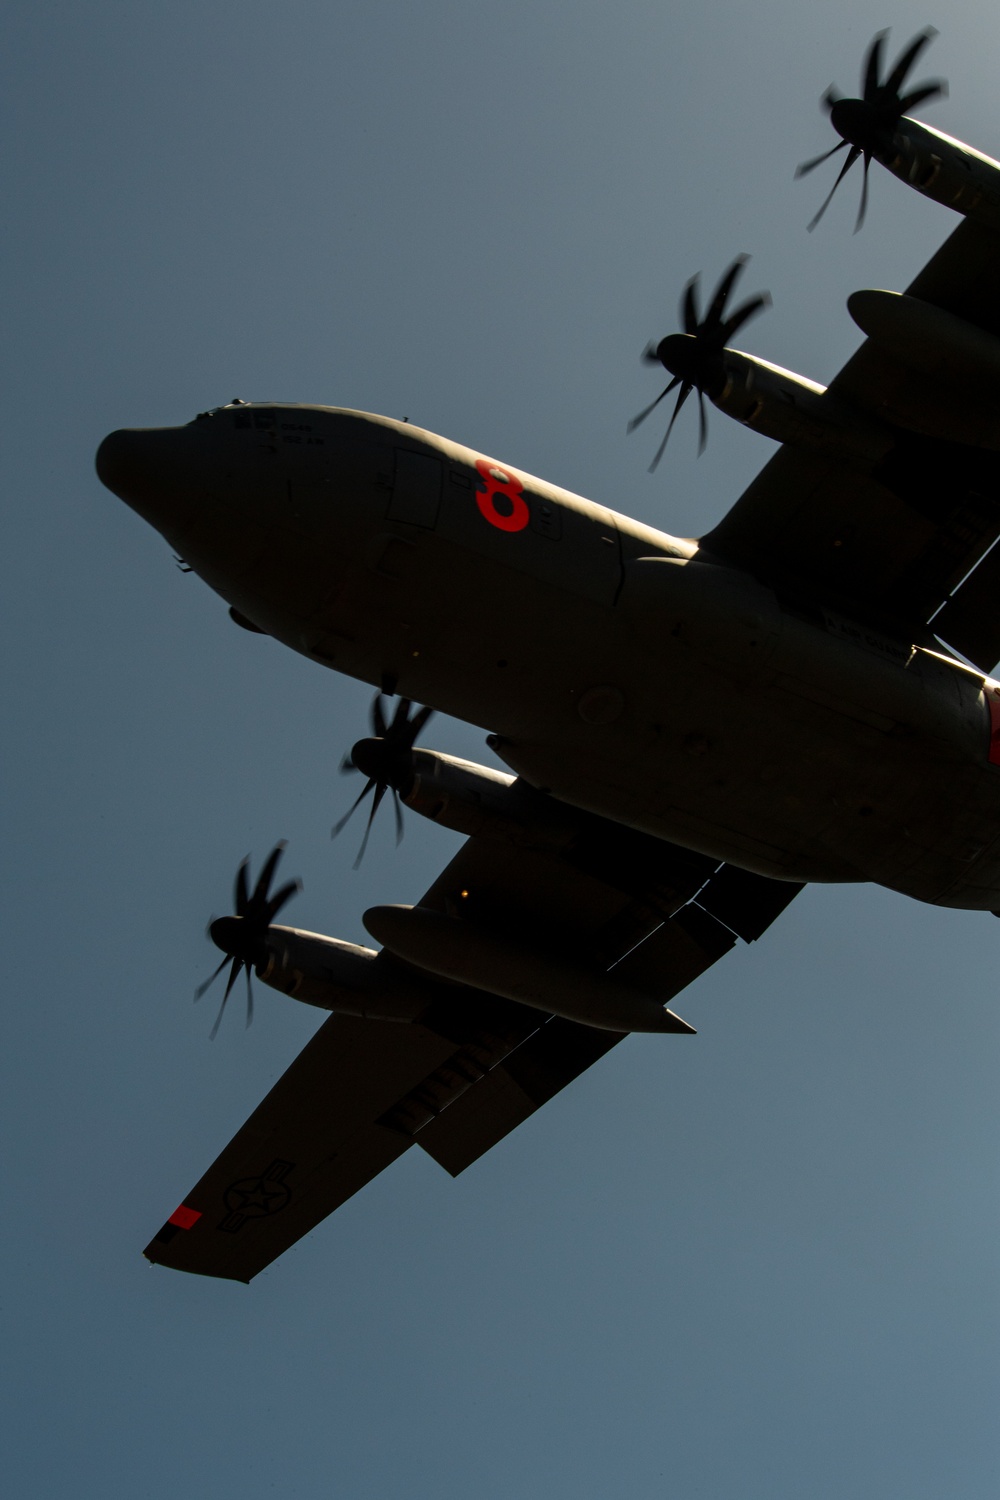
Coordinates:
column 473, row 1066
column 892, row 541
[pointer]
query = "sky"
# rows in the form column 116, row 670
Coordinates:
column 761, row 1262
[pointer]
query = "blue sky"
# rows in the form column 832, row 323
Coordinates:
column 761, row 1262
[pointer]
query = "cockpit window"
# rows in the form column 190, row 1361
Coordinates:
column 237, row 401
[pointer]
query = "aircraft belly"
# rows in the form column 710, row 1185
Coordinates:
column 816, row 811
column 838, row 766
column 828, row 764
column 476, row 636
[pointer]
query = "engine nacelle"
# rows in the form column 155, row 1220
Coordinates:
column 791, row 409
column 339, row 976
column 946, row 386
column 473, row 799
column 462, row 795
column 947, row 171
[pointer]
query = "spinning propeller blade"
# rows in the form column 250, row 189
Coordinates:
column 385, row 761
column 694, row 357
column 868, row 124
column 243, row 936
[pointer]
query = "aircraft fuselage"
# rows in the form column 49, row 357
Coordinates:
column 616, row 666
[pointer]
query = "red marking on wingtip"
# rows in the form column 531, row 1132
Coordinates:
column 184, row 1217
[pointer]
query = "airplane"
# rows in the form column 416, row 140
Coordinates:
column 692, row 729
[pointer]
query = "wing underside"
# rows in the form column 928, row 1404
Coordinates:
column 473, row 1066
column 895, row 541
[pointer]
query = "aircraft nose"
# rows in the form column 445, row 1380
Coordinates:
column 150, row 469
column 119, row 462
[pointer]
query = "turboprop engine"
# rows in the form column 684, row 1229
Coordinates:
column 322, row 971
column 936, row 359
column 947, row 171
column 478, row 800
column 939, row 358
column 782, row 405
column 422, row 947
column 793, row 409
column 877, row 127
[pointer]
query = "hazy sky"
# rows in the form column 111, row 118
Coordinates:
column 762, row 1262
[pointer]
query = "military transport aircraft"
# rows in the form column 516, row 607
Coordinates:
column 694, row 729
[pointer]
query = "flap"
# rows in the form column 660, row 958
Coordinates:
column 558, row 1052
column 970, row 620
column 745, row 902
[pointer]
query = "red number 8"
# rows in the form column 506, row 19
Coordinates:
column 499, row 482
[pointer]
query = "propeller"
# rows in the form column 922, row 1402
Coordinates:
column 242, row 937
column 385, row 760
column 868, row 124
column 694, row 357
